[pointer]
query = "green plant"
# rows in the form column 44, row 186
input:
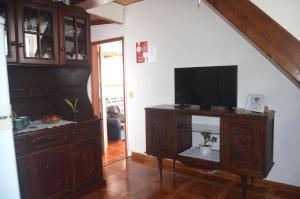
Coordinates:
column 208, row 137
column 71, row 105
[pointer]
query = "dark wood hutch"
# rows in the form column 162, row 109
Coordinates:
column 48, row 55
column 246, row 139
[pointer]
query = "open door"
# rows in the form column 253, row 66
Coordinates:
column 110, row 100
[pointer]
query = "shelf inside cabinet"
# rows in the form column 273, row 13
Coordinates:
column 196, row 153
column 214, row 129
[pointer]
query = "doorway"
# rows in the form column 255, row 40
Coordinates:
column 111, row 98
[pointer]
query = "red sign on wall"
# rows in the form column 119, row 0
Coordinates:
column 142, row 52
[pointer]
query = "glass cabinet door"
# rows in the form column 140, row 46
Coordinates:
column 75, row 40
column 7, row 12
column 38, row 37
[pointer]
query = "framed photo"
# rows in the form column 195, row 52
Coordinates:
column 255, row 103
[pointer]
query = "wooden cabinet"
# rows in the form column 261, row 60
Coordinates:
column 59, row 163
column 24, row 175
column 248, row 144
column 246, row 139
column 51, row 173
column 160, row 141
column 7, row 11
column 244, row 144
column 170, row 133
column 37, row 33
column 74, row 42
column 48, row 33
column 86, row 161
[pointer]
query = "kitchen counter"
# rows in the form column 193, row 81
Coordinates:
column 38, row 125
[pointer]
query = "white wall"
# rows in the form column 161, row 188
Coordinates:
column 286, row 13
column 107, row 31
column 186, row 36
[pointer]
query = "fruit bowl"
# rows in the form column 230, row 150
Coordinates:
column 50, row 119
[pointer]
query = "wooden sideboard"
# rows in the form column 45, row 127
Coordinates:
column 246, row 139
column 61, row 162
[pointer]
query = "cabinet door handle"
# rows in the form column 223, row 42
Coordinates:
column 21, row 45
column 62, row 48
column 13, row 43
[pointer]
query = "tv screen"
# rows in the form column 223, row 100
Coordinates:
column 206, row 86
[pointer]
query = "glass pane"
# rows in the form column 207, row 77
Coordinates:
column 82, row 53
column 69, row 27
column 46, row 22
column 70, row 50
column 46, row 46
column 31, row 45
column 80, row 29
column 70, row 38
column 81, row 38
column 30, row 19
column 6, row 43
column 3, row 12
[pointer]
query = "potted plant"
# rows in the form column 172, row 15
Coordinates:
column 208, row 138
column 73, row 107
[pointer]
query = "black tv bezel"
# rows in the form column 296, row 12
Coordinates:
column 203, row 105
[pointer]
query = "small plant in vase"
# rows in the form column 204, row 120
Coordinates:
column 73, row 107
column 208, row 138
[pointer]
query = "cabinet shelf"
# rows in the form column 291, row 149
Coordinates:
column 195, row 152
column 214, row 129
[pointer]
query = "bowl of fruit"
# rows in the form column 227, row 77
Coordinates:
column 50, row 119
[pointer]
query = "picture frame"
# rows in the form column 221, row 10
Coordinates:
column 255, row 103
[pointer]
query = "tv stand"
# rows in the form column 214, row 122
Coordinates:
column 182, row 106
column 246, row 140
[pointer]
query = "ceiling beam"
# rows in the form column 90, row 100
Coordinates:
column 273, row 40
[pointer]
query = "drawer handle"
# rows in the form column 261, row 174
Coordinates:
column 13, row 43
column 21, row 45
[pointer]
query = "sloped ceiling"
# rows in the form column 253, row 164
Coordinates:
column 272, row 39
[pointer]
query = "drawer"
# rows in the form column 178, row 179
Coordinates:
column 85, row 131
column 20, row 145
column 49, row 139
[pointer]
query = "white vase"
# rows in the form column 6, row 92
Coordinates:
column 205, row 149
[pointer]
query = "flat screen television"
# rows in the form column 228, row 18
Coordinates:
column 206, row 86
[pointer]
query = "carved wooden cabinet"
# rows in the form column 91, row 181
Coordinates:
column 24, row 174
column 86, row 156
column 60, row 162
column 86, row 163
column 74, row 37
column 160, row 140
column 7, row 11
column 246, row 139
column 45, row 32
column 37, row 33
column 248, row 144
column 51, row 172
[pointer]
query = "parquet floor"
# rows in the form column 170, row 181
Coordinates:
column 140, row 180
column 115, row 152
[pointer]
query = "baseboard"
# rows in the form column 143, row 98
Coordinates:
column 168, row 164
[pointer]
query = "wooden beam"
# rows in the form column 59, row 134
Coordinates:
column 96, row 20
column 127, row 2
column 271, row 38
column 97, row 2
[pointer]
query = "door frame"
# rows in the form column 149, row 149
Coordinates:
column 96, row 84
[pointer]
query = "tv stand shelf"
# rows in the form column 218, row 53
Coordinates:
column 194, row 152
column 246, row 140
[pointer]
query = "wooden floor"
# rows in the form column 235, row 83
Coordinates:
column 140, row 180
column 115, row 152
